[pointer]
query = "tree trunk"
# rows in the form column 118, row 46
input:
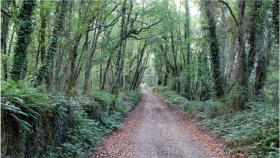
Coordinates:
column 188, row 48
column 137, row 71
column 24, row 32
column 276, row 17
column 89, row 63
column 4, row 35
column 261, row 68
column 42, row 35
column 261, row 73
column 106, row 70
column 71, row 81
column 58, row 25
column 238, row 94
column 175, row 73
column 122, row 46
column 252, row 39
column 214, row 51
column 58, row 65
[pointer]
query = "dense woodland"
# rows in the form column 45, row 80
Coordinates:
column 78, row 64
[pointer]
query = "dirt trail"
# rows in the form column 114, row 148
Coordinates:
column 151, row 131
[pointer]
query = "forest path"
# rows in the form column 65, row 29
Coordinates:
column 151, row 131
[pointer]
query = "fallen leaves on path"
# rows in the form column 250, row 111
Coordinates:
column 120, row 143
column 209, row 140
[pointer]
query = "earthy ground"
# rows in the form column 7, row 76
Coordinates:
column 154, row 131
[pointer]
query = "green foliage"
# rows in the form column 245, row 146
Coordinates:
column 201, row 109
column 81, row 138
column 62, row 128
column 103, row 97
column 88, row 129
column 14, row 111
column 254, row 130
column 129, row 98
column 33, row 114
column 20, row 102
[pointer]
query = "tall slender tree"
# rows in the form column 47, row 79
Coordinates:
column 276, row 17
column 58, row 25
column 6, row 15
column 187, row 35
column 24, row 32
column 238, row 94
column 214, row 51
column 42, row 33
column 252, row 37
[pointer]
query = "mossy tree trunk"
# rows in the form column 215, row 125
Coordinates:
column 121, row 50
column 42, row 34
column 24, row 32
column 252, row 38
column 261, row 73
column 263, row 62
column 214, row 51
column 276, row 17
column 174, row 67
column 58, row 25
column 188, row 48
column 238, row 94
column 5, row 5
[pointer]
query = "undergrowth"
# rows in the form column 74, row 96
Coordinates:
column 36, row 124
column 253, row 131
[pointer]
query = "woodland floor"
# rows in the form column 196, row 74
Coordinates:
column 152, row 130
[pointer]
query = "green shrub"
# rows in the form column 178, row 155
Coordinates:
column 41, row 125
column 82, row 138
column 253, row 130
column 129, row 98
column 28, row 115
column 103, row 97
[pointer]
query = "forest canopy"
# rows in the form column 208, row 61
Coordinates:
column 201, row 48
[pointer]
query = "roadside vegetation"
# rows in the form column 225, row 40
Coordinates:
column 252, row 131
column 36, row 124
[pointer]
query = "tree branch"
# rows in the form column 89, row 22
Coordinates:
column 230, row 10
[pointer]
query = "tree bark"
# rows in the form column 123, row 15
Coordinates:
column 138, row 70
column 188, row 47
column 261, row 68
column 238, row 94
column 276, row 17
column 71, row 81
column 120, row 51
column 4, row 35
column 261, row 73
column 42, row 35
column 252, row 39
column 215, row 52
column 89, row 63
column 122, row 45
column 24, row 32
column 58, row 25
